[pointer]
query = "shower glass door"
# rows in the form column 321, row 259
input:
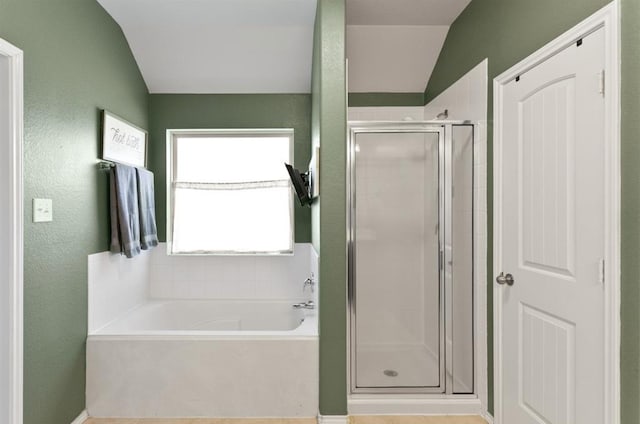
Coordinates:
column 396, row 185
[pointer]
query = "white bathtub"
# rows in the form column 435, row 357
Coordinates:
column 195, row 358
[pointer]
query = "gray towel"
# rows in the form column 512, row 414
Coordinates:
column 116, row 246
column 125, row 232
column 147, row 207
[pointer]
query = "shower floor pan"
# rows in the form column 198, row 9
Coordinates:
column 396, row 366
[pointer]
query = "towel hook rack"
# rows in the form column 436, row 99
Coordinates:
column 105, row 165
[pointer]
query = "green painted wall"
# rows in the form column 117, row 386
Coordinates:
column 507, row 31
column 315, row 123
column 194, row 111
column 329, row 116
column 386, row 99
column 76, row 62
column 630, row 332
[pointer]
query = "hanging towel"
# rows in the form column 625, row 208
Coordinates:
column 116, row 246
column 125, row 236
column 147, row 208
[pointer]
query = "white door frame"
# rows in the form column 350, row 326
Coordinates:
column 607, row 18
column 14, row 161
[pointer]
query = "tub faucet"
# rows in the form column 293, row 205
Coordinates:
column 309, row 282
column 305, row 305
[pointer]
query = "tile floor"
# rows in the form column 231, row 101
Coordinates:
column 359, row 419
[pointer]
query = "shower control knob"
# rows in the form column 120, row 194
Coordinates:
column 505, row 279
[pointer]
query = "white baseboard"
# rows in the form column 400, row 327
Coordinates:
column 333, row 419
column 406, row 405
column 84, row 416
column 487, row 417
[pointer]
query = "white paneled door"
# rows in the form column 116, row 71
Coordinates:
column 552, row 239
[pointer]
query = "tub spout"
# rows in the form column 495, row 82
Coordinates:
column 305, row 305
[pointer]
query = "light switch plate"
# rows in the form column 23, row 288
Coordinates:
column 42, row 210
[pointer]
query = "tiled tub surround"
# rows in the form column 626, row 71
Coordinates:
column 206, row 352
column 231, row 277
column 118, row 285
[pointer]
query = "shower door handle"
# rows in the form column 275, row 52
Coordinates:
column 505, row 279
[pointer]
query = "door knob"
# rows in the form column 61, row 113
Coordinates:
column 505, row 279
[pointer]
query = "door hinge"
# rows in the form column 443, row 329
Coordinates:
column 601, row 87
column 601, row 270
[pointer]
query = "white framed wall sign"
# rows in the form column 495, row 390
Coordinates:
column 122, row 141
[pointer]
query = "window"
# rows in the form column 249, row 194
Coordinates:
column 229, row 192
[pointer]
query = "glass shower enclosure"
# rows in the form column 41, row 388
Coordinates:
column 411, row 257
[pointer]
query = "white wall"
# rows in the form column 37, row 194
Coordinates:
column 5, row 225
column 392, row 113
column 466, row 99
column 118, row 285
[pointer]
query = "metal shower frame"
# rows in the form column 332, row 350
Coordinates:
column 444, row 129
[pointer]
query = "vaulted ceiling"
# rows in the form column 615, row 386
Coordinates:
column 404, row 12
column 265, row 46
column 219, row 46
column 393, row 45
